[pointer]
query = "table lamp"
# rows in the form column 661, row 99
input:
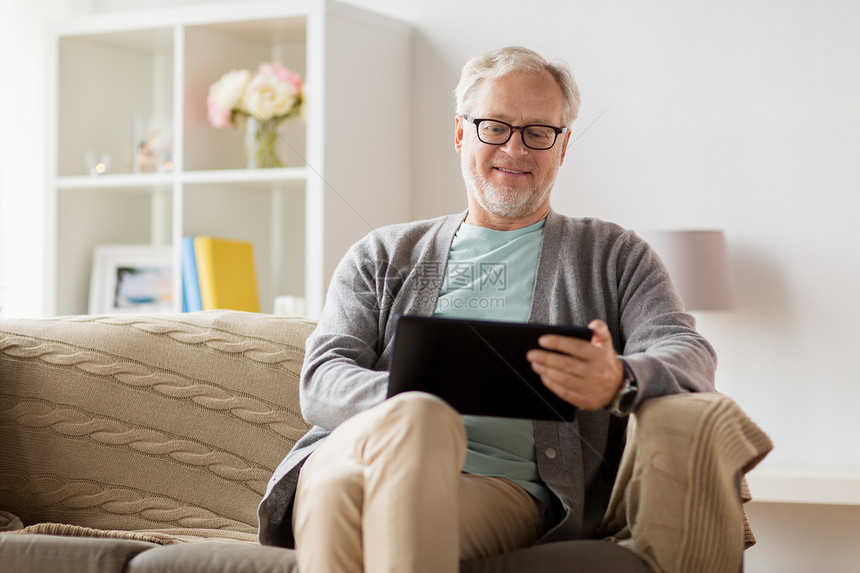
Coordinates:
column 698, row 262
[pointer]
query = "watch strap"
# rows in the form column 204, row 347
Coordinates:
column 623, row 402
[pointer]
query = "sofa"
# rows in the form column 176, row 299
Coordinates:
column 144, row 444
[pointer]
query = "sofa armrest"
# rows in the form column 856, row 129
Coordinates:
column 168, row 422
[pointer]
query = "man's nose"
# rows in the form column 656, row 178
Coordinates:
column 515, row 145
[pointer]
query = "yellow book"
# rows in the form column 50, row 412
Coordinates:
column 225, row 269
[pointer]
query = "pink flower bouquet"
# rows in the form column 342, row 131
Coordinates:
column 273, row 93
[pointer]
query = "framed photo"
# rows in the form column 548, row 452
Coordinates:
column 131, row 279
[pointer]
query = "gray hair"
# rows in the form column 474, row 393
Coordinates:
column 513, row 59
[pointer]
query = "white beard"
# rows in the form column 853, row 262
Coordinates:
column 503, row 201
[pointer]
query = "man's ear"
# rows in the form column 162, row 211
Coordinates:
column 565, row 139
column 458, row 133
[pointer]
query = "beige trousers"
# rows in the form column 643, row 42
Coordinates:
column 385, row 493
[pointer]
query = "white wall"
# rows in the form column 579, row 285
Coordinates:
column 743, row 116
column 737, row 115
column 23, row 60
column 21, row 127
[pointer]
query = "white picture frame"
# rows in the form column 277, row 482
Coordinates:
column 128, row 279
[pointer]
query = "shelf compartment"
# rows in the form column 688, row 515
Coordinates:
column 91, row 217
column 211, row 50
column 111, row 80
column 271, row 215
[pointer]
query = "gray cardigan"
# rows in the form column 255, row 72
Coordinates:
column 587, row 269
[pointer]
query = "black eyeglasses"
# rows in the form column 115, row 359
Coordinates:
column 495, row 132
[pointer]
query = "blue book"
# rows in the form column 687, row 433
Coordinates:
column 191, row 301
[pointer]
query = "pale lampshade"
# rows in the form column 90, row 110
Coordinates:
column 698, row 262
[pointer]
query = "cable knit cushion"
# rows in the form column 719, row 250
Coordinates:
column 165, row 425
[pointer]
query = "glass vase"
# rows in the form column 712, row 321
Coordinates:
column 260, row 139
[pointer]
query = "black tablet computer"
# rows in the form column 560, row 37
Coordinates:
column 479, row 367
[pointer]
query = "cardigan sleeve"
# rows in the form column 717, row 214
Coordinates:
column 343, row 372
column 380, row 277
column 660, row 343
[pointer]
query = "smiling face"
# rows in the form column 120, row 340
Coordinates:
column 508, row 186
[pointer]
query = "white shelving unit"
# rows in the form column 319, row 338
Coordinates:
column 347, row 159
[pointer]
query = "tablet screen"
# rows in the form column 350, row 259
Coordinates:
column 479, row 367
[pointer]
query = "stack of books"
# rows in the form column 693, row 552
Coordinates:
column 218, row 274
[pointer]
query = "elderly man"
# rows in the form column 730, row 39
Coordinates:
column 408, row 484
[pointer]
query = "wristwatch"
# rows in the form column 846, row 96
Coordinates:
column 622, row 404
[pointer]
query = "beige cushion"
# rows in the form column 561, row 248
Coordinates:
column 165, row 423
column 215, row 558
column 48, row 554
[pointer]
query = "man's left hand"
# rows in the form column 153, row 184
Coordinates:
column 584, row 373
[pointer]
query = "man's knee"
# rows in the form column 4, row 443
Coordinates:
column 422, row 410
column 673, row 430
column 419, row 422
column 680, row 414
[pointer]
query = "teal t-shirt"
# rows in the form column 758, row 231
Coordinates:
column 490, row 275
